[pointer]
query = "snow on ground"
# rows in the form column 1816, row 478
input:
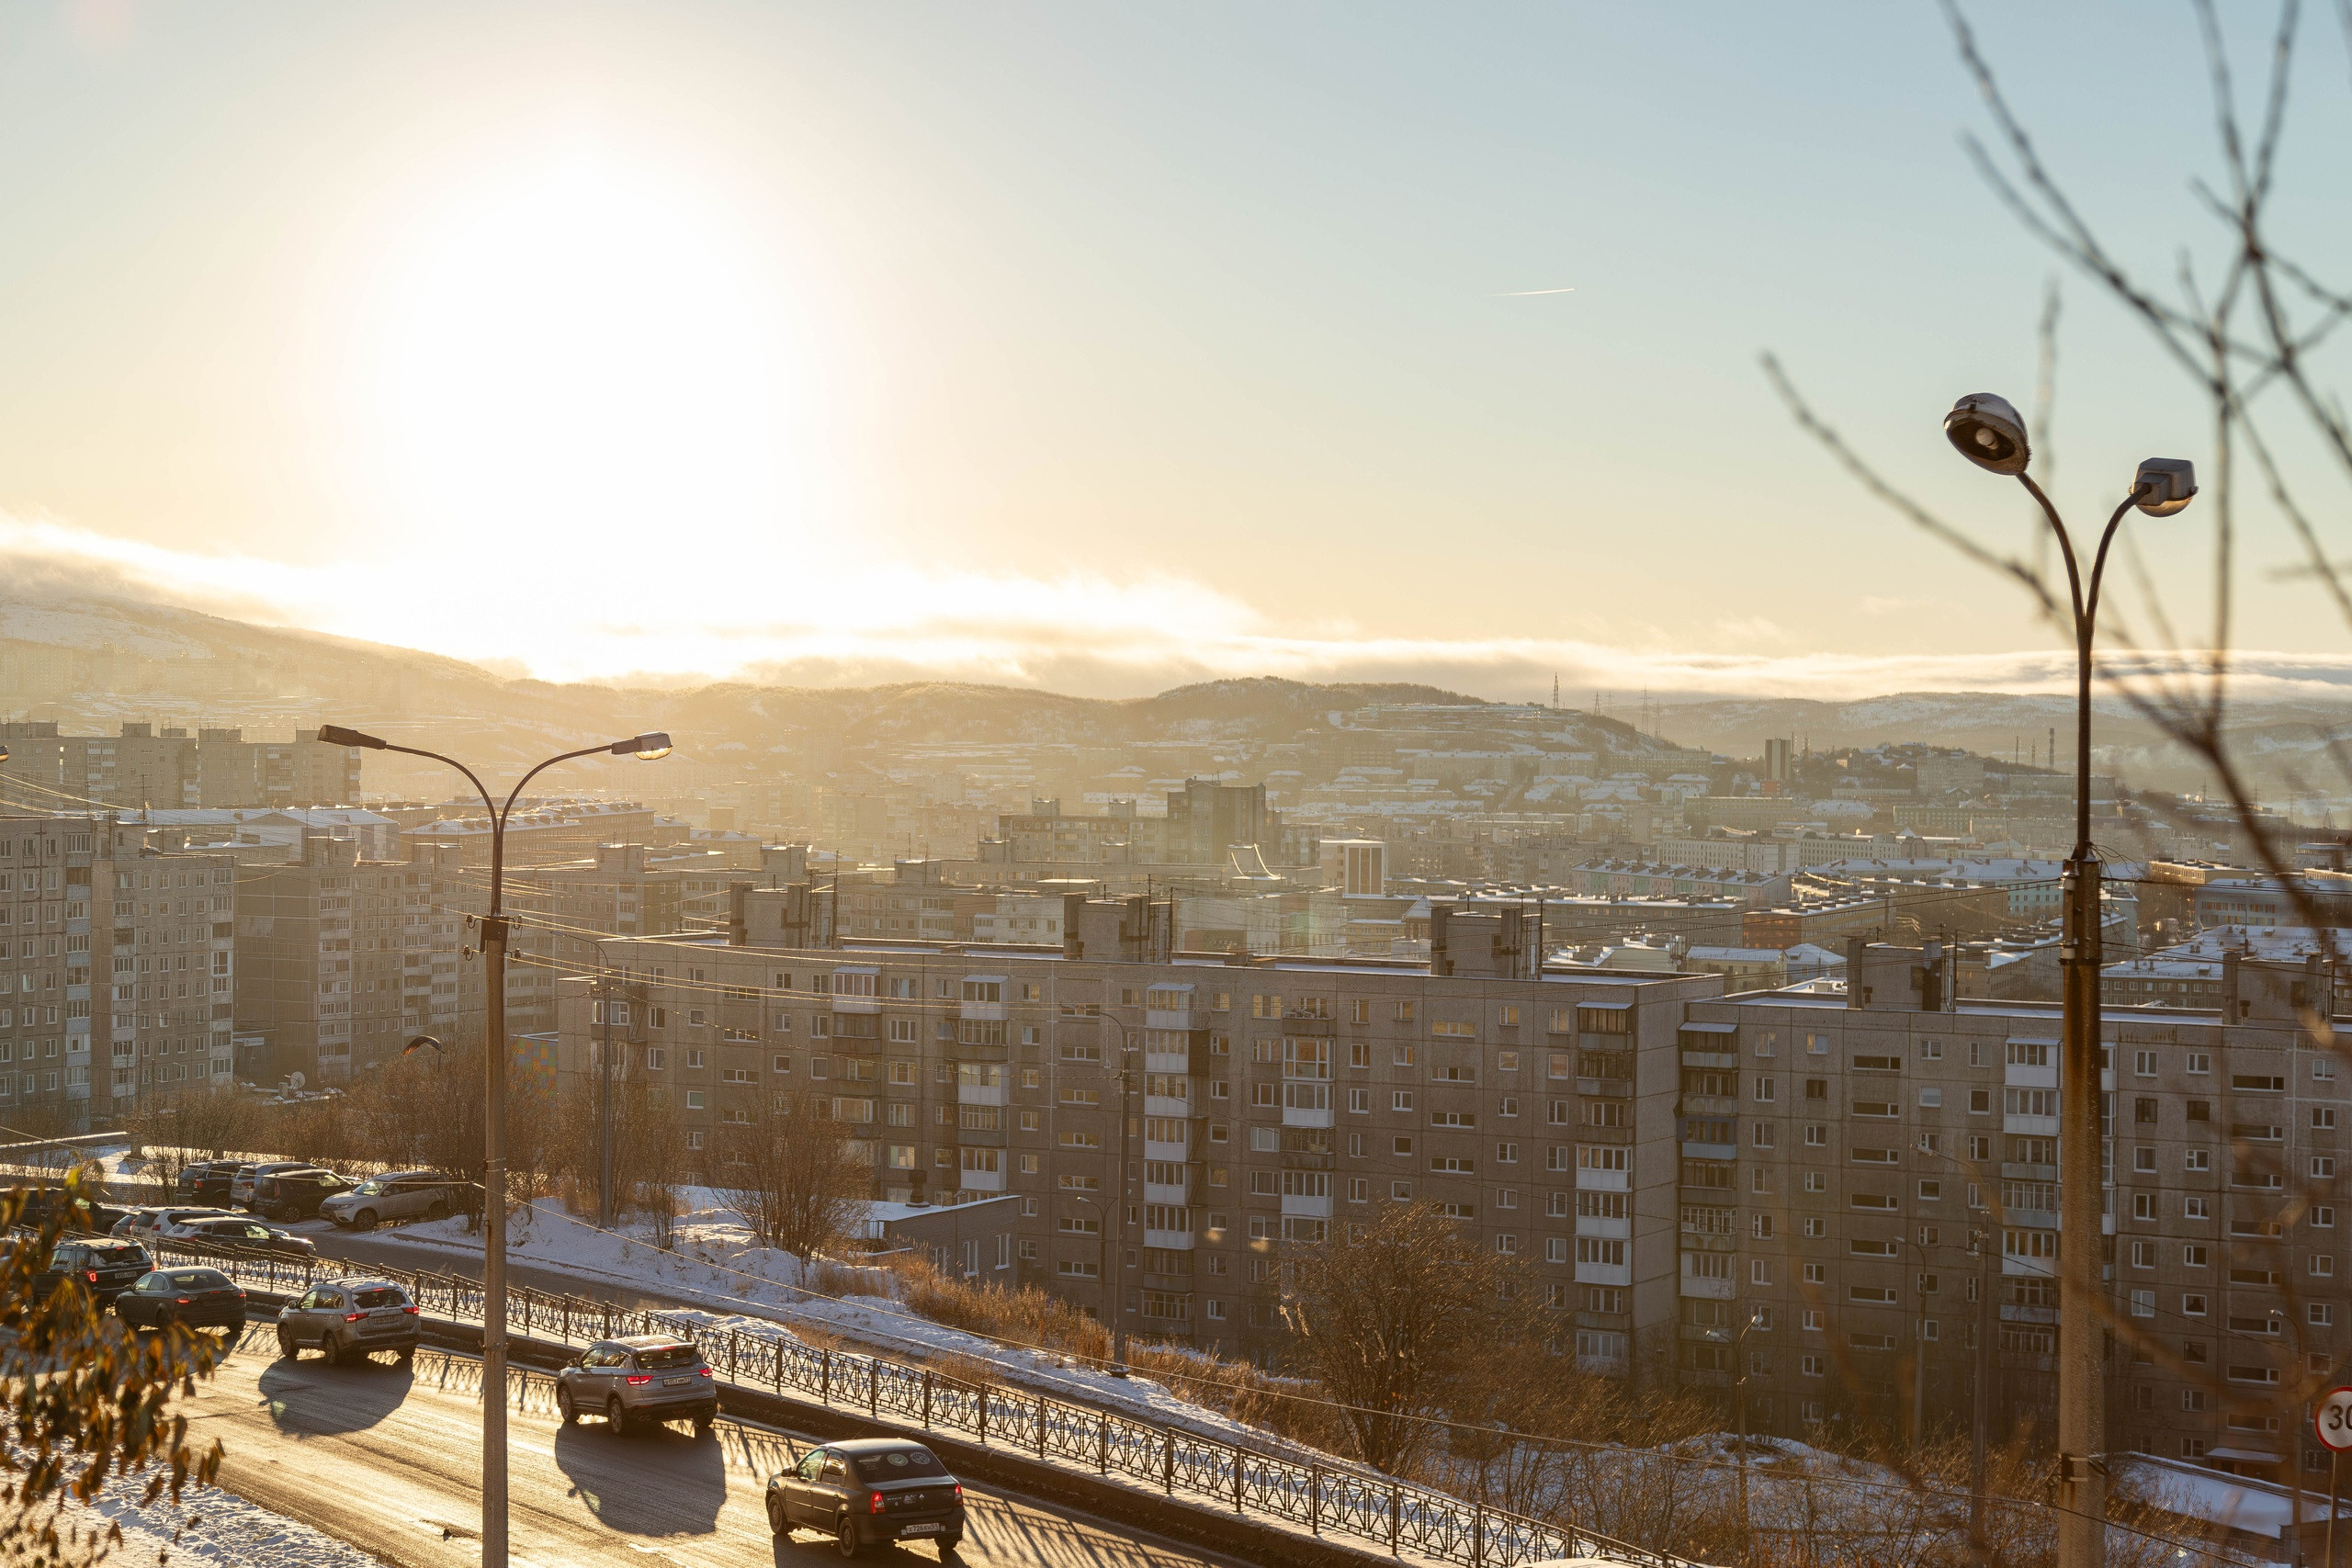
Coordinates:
column 213, row 1526
column 723, row 1282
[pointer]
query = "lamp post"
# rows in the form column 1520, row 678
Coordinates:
column 1739, row 1420
column 646, row 748
column 1987, row 431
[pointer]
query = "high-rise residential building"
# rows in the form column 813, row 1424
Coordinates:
column 1263, row 1101
column 167, row 769
column 345, row 961
column 109, row 939
column 1851, row 1199
column 1206, row 818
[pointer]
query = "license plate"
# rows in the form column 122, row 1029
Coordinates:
column 676, row 1382
column 920, row 1530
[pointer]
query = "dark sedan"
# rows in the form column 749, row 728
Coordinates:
column 867, row 1491
column 248, row 1235
column 200, row 1298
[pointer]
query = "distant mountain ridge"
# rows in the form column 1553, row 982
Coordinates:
column 91, row 661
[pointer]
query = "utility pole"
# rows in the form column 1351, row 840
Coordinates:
column 605, row 1206
column 1117, row 1300
column 493, row 1223
column 1980, row 1404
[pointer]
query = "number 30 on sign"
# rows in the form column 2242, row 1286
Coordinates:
column 2333, row 1416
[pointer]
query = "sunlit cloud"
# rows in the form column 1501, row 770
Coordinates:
column 1090, row 634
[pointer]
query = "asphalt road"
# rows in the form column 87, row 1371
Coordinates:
column 388, row 1459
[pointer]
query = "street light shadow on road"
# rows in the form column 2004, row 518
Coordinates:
column 665, row 1481
column 313, row 1398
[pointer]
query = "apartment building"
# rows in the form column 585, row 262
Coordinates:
column 346, row 960
column 1263, row 1101
column 169, row 768
column 1845, row 1194
column 74, row 889
column 1878, row 1198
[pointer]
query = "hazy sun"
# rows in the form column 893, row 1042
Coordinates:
column 579, row 356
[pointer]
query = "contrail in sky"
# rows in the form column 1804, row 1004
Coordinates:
column 1523, row 293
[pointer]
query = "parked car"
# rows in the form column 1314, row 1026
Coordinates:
column 132, row 1216
column 42, row 1199
column 242, row 1232
column 395, row 1195
column 286, row 1196
column 148, row 1224
column 104, row 1265
column 649, row 1378
column 209, row 1183
column 241, row 1186
column 349, row 1319
column 867, row 1491
column 200, row 1298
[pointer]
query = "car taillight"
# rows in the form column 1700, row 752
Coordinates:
column 353, row 1316
column 873, row 1503
column 705, row 1371
column 412, row 1309
column 959, row 1492
column 184, row 1300
column 639, row 1378
column 91, row 1275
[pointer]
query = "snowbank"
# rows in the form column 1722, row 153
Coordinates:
column 214, row 1527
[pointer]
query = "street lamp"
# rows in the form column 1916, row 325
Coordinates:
column 646, row 748
column 1987, row 432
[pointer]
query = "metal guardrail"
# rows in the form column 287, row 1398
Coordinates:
column 1344, row 1503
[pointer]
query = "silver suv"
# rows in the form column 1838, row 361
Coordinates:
column 395, row 1195
column 346, row 1320
column 650, row 1377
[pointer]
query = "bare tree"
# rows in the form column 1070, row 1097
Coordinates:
column 1398, row 1319
column 791, row 1177
column 200, row 1124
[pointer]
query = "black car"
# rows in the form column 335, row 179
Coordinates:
column 106, row 1267
column 200, row 1298
column 866, row 1491
column 286, row 1196
column 42, row 1201
column 208, row 1184
column 245, row 1234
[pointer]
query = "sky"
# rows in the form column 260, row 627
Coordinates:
column 1098, row 347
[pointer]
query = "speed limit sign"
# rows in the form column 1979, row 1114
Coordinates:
column 2333, row 1416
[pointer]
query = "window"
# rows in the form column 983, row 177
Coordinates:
column 2143, row 1063
column 2199, row 1062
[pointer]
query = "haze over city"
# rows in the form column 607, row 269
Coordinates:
column 1055, row 786
column 1096, row 351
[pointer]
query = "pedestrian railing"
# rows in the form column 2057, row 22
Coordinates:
column 1353, row 1505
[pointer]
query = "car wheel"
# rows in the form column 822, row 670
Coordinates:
column 776, row 1526
column 702, row 1426
column 404, row 1355
column 365, row 1220
column 437, row 1210
column 845, row 1536
column 286, row 1349
column 286, row 1214
column 617, row 1416
column 948, row 1543
column 236, row 1330
column 565, row 1411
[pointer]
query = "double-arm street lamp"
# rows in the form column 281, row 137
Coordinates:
column 646, row 748
column 1988, row 432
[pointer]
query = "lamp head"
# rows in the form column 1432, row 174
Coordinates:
column 419, row 1042
column 2164, row 485
column 336, row 735
column 4, row 753
column 1988, row 432
column 650, row 748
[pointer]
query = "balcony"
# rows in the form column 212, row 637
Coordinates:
column 1709, row 1105
column 1606, row 1088
column 1181, row 1018
column 1304, row 1028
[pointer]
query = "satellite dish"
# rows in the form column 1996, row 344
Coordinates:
column 295, row 1080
